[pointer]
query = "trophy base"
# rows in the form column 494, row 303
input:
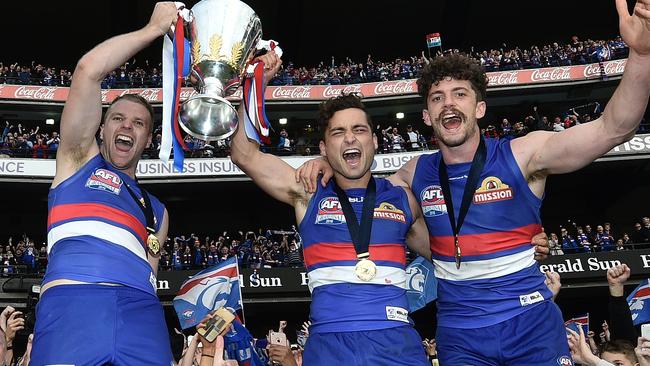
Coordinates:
column 208, row 117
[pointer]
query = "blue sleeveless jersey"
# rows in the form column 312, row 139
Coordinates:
column 96, row 230
column 340, row 301
column 498, row 278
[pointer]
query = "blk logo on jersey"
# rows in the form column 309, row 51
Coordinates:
column 330, row 212
column 432, row 201
column 492, row 189
column 388, row 211
column 105, row 180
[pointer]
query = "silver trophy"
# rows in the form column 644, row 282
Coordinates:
column 223, row 35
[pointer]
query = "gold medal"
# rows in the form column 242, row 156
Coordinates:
column 153, row 243
column 365, row 269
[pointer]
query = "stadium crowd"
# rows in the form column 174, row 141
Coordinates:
column 20, row 141
column 146, row 74
column 273, row 248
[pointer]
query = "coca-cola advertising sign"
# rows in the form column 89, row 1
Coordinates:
column 395, row 87
column 608, row 68
column 291, row 92
column 551, row 74
column 336, row 90
column 322, row 92
column 503, row 78
column 35, row 92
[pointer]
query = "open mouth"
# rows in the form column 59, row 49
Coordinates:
column 352, row 156
column 451, row 120
column 123, row 143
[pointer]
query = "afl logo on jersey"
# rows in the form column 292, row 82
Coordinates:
column 330, row 212
column 491, row 190
column 432, row 201
column 105, row 180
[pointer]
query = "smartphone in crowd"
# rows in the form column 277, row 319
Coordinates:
column 645, row 331
column 278, row 338
column 216, row 325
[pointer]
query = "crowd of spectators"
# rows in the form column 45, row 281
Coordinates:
column 283, row 248
column 584, row 239
column 261, row 249
column 22, row 142
column 136, row 74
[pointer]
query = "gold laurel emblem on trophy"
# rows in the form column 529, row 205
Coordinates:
column 196, row 53
column 236, row 53
column 215, row 46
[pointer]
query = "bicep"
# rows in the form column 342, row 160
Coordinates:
column 417, row 238
column 403, row 177
column 274, row 176
column 566, row 151
column 79, row 123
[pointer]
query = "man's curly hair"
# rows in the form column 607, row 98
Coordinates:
column 456, row 66
column 344, row 101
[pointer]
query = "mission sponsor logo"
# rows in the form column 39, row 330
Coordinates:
column 432, row 201
column 491, row 190
column 330, row 212
column 105, row 180
column 388, row 211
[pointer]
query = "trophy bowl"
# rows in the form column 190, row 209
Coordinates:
column 223, row 35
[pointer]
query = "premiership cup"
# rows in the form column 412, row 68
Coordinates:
column 223, row 35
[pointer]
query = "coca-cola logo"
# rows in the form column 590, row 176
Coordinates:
column 335, row 90
column 291, row 92
column 187, row 93
column 553, row 74
column 395, row 87
column 503, row 78
column 610, row 68
column 151, row 95
column 35, row 92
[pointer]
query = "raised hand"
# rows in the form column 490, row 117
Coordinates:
column 635, row 28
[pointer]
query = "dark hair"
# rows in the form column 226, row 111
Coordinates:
column 328, row 108
column 135, row 98
column 456, row 66
column 624, row 347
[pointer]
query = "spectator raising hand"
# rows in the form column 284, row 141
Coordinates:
column 553, row 283
column 616, row 278
column 281, row 354
column 580, row 351
column 642, row 351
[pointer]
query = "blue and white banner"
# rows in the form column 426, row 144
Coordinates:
column 209, row 290
column 422, row 286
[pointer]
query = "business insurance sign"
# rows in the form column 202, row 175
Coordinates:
column 224, row 167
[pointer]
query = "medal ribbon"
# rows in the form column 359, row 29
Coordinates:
column 360, row 234
column 470, row 186
column 146, row 208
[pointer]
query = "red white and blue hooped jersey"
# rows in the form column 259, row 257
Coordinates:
column 498, row 278
column 341, row 302
column 96, row 231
